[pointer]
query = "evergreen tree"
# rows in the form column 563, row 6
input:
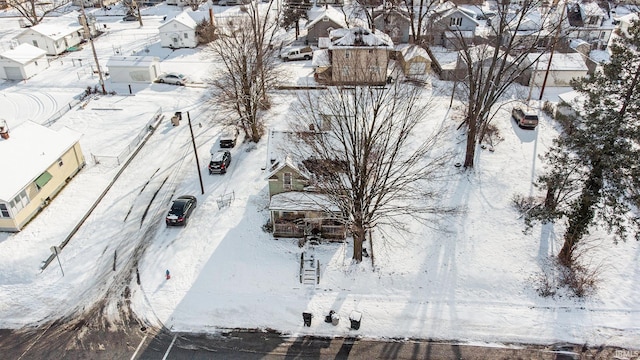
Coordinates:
column 594, row 171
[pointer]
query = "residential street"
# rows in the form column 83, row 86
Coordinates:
column 61, row 342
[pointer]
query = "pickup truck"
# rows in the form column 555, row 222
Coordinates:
column 304, row 53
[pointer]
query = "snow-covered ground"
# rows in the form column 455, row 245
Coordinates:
column 470, row 279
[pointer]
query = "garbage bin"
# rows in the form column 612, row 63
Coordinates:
column 355, row 318
column 175, row 120
column 335, row 319
column 307, row 318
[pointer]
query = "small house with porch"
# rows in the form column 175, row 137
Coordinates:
column 296, row 211
column 39, row 162
column 54, row 38
column 179, row 31
column 22, row 62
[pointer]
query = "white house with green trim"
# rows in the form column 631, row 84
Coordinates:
column 36, row 162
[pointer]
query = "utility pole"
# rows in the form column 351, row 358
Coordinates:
column 195, row 151
column 93, row 48
column 553, row 47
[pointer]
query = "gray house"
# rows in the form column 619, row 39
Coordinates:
column 448, row 23
column 322, row 21
column 395, row 23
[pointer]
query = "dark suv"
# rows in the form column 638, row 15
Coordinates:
column 181, row 209
column 220, row 161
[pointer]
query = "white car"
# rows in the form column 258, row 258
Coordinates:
column 172, row 78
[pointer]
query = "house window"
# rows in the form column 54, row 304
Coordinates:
column 374, row 69
column 455, row 21
column 4, row 211
column 186, row 35
column 347, row 54
column 602, row 35
column 36, row 63
column 60, row 162
column 42, row 180
column 325, row 19
column 19, row 202
column 35, row 43
column 345, row 71
column 287, row 181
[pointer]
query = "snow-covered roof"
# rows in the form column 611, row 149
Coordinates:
column 301, row 201
column 29, row 151
column 185, row 18
column 136, row 61
column 321, row 58
column 560, row 62
column 317, row 13
column 54, row 31
column 410, row 51
column 23, row 53
column 574, row 98
column 591, row 9
column 465, row 13
column 279, row 165
column 358, row 37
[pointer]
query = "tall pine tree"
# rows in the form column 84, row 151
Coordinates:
column 593, row 173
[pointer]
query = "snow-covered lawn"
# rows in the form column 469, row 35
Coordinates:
column 470, row 279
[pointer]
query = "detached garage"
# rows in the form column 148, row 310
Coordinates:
column 133, row 69
column 22, row 62
column 564, row 67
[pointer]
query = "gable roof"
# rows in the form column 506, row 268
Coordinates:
column 287, row 162
column 52, row 30
column 359, row 37
column 185, row 18
column 393, row 11
column 463, row 12
column 316, row 15
column 23, row 53
column 29, row 151
column 410, row 51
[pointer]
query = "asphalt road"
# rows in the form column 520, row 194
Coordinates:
column 83, row 340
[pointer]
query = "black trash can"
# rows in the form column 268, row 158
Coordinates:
column 307, row 318
column 355, row 317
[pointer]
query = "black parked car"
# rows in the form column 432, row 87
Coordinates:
column 181, row 209
column 228, row 138
column 220, row 161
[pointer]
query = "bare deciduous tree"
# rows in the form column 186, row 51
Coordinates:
column 34, row 11
column 374, row 159
column 488, row 69
column 248, row 68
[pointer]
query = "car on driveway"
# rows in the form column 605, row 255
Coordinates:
column 525, row 117
column 181, row 210
column 172, row 78
column 228, row 138
column 220, row 161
